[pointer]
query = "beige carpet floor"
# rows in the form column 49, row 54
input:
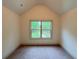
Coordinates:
column 40, row 52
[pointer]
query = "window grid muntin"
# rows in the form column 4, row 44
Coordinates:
column 42, row 29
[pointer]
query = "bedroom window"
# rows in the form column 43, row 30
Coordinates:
column 41, row 29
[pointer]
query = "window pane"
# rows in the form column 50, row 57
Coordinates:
column 46, row 25
column 35, row 24
column 46, row 34
column 35, row 33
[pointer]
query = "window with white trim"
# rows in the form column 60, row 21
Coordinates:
column 41, row 29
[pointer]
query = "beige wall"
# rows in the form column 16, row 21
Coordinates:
column 11, row 34
column 39, row 12
column 69, row 32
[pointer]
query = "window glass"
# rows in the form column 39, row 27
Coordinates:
column 46, row 25
column 35, row 25
column 46, row 34
column 35, row 33
column 41, row 29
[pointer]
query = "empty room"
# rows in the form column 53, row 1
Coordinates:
column 39, row 29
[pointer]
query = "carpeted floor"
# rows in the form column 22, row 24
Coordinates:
column 40, row 52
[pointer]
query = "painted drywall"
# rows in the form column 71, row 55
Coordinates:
column 69, row 32
column 39, row 12
column 58, row 6
column 11, row 34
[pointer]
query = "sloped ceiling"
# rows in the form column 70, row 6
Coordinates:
column 58, row 6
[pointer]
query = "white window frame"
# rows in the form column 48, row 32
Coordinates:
column 51, row 31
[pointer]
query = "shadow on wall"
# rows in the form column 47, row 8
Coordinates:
column 69, row 32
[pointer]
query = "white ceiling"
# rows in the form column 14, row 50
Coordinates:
column 58, row 6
